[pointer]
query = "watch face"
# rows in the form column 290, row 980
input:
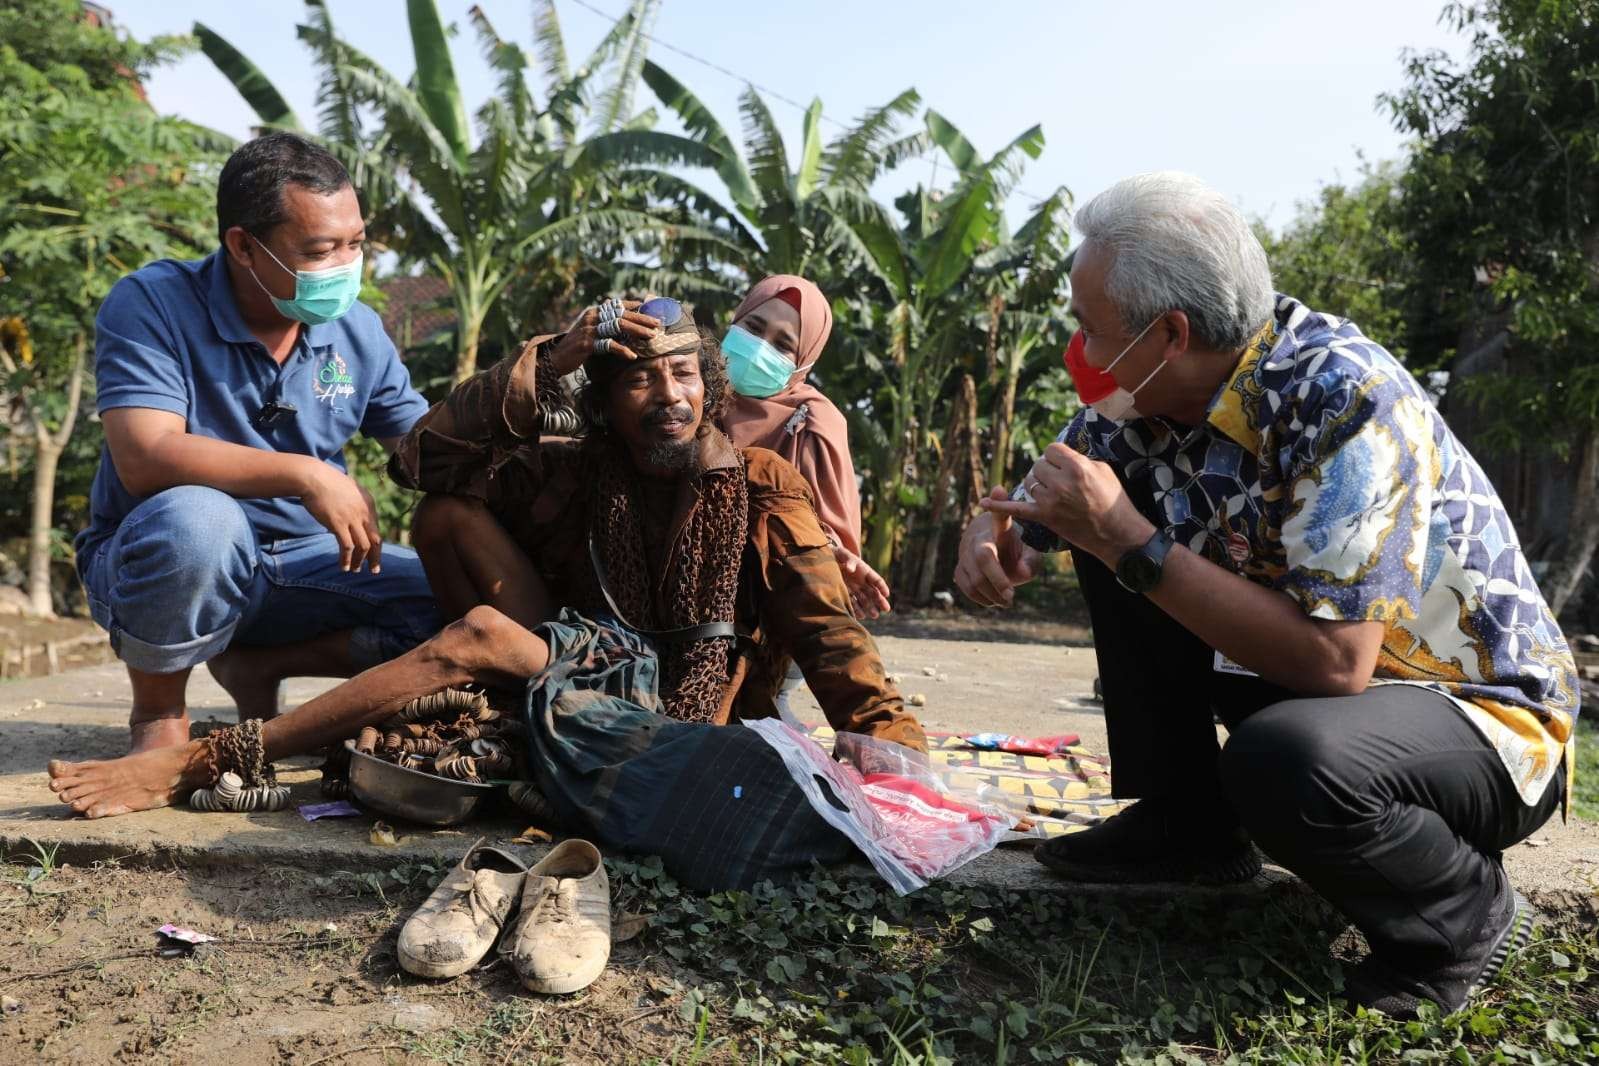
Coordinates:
column 1139, row 572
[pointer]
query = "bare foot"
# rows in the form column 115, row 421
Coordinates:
column 159, row 718
column 140, row 782
column 245, row 674
column 160, row 731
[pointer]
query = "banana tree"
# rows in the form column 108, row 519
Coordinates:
column 481, row 212
column 775, row 216
column 933, row 280
column 1024, row 280
column 256, row 88
column 930, row 270
column 1009, row 306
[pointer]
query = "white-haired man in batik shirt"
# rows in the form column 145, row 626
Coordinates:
column 1272, row 523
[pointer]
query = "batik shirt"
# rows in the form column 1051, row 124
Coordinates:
column 1324, row 471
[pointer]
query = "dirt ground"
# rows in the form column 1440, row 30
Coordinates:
column 77, row 951
column 23, row 643
column 1025, row 625
column 1021, row 625
column 306, row 974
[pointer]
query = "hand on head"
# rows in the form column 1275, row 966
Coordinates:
column 590, row 327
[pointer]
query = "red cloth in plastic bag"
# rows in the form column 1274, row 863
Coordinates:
column 902, row 814
column 1022, row 745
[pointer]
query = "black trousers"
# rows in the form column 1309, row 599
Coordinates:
column 1390, row 804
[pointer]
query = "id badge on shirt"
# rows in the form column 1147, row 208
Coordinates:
column 1224, row 665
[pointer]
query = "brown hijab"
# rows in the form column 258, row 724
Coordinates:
column 817, row 442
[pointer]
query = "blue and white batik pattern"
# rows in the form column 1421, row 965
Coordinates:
column 1323, row 470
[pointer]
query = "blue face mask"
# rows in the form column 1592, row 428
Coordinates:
column 754, row 367
column 319, row 295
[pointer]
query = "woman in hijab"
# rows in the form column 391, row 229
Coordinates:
column 777, row 335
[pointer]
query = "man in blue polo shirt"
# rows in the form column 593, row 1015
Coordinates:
column 225, row 529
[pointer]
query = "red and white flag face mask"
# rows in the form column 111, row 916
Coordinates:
column 1097, row 388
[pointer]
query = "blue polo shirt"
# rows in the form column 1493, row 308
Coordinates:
column 170, row 337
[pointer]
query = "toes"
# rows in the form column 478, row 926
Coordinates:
column 62, row 768
column 65, row 776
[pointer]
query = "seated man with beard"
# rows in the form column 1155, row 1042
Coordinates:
column 652, row 524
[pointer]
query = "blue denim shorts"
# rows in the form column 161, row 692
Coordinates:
column 184, row 577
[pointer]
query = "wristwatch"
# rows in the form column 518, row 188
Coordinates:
column 1139, row 570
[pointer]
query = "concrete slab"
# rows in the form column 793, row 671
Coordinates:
column 1026, row 689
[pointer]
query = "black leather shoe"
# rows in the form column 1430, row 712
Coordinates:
column 1396, row 990
column 1154, row 840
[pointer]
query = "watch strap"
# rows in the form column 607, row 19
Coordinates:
column 1154, row 550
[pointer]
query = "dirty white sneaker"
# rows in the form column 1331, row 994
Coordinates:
column 562, row 939
column 458, row 924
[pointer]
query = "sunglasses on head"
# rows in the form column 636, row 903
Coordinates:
column 668, row 310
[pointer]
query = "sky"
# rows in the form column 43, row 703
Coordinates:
column 1267, row 101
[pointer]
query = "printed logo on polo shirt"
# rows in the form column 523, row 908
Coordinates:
column 333, row 381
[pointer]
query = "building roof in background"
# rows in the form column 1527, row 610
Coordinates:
column 100, row 15
column 418, row 309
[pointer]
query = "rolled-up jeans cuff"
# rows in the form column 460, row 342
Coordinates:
column 170, row 658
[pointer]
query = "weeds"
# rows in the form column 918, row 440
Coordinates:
column 38, row 870
column 837, row 970
column 834, row 970
column 508, row 1031
column 401, row 878
column 32, row 871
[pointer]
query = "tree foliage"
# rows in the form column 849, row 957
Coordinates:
column 1343, row 253
column 559, row 189
column 493, row 203
column 93, row 184
column 563, row 186
column 1501, row 202
column 1501, row 198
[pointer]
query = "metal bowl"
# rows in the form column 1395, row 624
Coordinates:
column 412, row 794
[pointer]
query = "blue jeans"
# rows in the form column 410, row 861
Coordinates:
column 184, row 577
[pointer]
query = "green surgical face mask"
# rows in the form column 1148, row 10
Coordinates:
column 754, row 367
column 319, row 295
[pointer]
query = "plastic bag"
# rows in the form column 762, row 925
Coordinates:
column 902, row 814
column 1045, row 746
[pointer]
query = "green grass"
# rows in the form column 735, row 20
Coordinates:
column 834, row 970
column 513, row 1025
column 29, row 871
column 1585, row 790
column 41, row 863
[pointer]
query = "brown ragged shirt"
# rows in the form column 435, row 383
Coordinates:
column 483, row 443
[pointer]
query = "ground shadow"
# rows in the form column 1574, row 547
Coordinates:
column 30, row 745
column 1017, row 626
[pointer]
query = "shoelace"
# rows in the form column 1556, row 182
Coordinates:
column 556, row 905
column 471, row 900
